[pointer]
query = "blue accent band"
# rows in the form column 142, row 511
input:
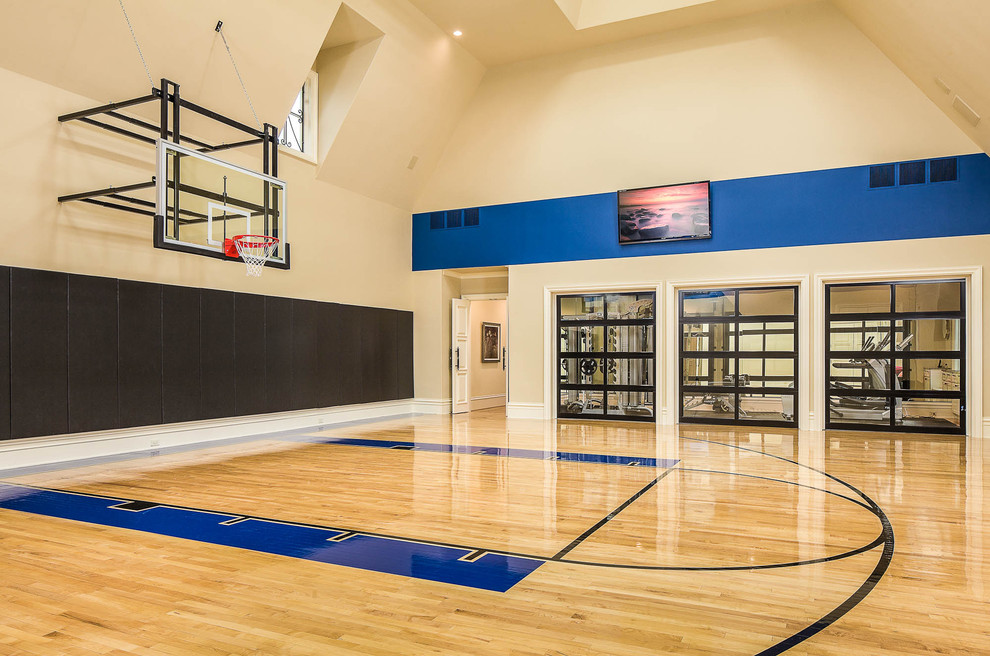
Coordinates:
column 490, row 571
column 833, row 206
column 505, row 452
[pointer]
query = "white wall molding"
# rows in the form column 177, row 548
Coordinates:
column 493, row 296
column 487, row 401
column 986, row 427
column 525, row 411
column 550, row 333
column 34, row 451
column 431, row 406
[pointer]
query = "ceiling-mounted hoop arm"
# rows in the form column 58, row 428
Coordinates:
column 168, row 128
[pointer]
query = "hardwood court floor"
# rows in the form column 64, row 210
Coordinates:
column 736, row 542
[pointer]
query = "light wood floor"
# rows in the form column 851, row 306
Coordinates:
column 738, row 503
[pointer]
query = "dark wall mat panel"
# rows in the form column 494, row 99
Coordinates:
column 217, row 353
column 305, row 354
column 250, row 363
column 92, row 354
column 278, row 350
column 84, row 353
column 330, row 355
column 4, row 353
column 389, row 340
column 139, row 367
column 39, row 400
column 372, row 354
column 351, row 373
column 404, row 355
column 181, row 371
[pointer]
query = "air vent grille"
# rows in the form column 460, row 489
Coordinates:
column 912, row 173
column 881, row 175
column 466, row 218
column 944, row 169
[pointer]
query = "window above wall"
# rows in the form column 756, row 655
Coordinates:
column 298, row 135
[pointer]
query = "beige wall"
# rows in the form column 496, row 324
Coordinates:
column 783, row 91
column 487, row 379
column 527, row 287
column 345, row 247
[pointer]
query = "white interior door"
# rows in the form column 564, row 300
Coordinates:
column 460, row 324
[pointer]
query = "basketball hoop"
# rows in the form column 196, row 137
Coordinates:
column 255, row 251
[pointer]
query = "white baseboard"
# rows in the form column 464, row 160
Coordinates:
column 488, row 401
column 431, row 406
column 524, row 411
column 35, row 451
column 986, row 428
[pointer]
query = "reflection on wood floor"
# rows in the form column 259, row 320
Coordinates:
column 756, row 541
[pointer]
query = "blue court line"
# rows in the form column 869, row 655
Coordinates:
column 488, row 571
column 504, row 452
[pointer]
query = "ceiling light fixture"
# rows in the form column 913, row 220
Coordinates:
column 458, row 33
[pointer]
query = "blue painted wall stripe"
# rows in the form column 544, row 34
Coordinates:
column 505, row 452
column 491, row 571
column 832, row 206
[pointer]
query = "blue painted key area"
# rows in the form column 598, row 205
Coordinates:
column 505, row 452
column 490, row 571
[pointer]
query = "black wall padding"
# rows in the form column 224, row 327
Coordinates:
column 387, row 339
column 39, row 399
column 371, row 354
column 250, row 362
column 139, row 363
column 4, row 353
column 404, row 354
column 330, row 354
column 349, row 344
column 278, row 348
column 84, row 353
column 92, row 354
column 216, row 347
column 305, row 354
column 181, row 371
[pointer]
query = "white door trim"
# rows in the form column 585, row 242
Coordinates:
column 460, row 343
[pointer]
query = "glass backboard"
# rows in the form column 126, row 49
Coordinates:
column 203, row 201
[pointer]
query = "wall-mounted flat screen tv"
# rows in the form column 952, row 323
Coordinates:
column 682, row 211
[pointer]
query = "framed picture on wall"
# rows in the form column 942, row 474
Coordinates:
column 491, row 341
column 682, row 211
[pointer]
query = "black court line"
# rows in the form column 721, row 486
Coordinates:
column 778, row 480
column 607, row 518
column 886, row 538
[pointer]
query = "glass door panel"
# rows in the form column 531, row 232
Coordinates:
column 606, row 355
column 738, row 351
column 901, row 366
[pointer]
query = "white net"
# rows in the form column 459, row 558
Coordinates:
column 255, row 251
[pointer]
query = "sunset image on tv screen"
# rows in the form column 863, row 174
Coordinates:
column 675, row 212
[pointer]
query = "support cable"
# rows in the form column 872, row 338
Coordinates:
column 219, row 28
column 136, row 44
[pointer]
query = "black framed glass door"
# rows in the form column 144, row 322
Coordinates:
column 738, row 356
column 895, row 356
column 606, row 354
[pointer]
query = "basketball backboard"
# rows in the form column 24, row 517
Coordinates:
column 203, row 201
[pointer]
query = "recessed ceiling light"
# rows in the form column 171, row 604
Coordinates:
column 458, row 33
